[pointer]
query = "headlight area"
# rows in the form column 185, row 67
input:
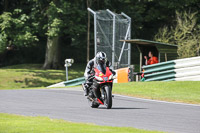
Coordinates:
column 98, row 78
column 111, row 77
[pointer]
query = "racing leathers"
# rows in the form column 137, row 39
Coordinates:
column 89, row 73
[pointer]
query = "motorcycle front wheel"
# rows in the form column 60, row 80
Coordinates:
column 107, row 97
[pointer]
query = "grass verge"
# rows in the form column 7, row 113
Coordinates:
column 176, row 91
column 31, row 75
column 24, row 124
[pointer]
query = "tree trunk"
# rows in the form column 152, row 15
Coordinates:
column 52, row 53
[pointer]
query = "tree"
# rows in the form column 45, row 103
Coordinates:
column 54, row 28
column 39, row 20
column 16, row 30
column 186, row 34
column 64, row 18
column 53, row 23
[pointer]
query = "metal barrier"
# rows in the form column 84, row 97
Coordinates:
column 187, row 69
column 74, row 82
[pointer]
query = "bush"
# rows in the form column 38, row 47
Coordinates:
column 186, row 34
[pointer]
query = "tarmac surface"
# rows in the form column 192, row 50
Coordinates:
column 70, row 104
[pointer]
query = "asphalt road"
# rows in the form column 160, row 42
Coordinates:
column 71, row 105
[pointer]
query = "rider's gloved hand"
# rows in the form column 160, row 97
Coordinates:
column 114, row 73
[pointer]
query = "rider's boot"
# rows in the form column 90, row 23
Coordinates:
column 85, row 88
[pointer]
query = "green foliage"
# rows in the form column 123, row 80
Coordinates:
column 54, row 22
column 5, row 21
column 3, row 41
column 164, row 35
column 186, row 34
column 31, row 22
column 15, row 29
column 54, row 28
column 65, row 15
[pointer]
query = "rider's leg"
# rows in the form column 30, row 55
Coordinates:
column 97, row 93
column 85, row 88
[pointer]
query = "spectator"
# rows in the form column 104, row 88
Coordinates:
column 153, row 59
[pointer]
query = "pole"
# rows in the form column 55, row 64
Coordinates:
column 66, row 72
column 95, row 34
column 95, row 30
column 129, row 45
column 124, row 44
column 88, row 34
column 113, row 45
column 129, row 36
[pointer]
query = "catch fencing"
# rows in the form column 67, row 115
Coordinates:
column 109, row 29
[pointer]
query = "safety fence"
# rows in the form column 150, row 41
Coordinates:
column 187, row 69
column 74, row 82
column 109, row 28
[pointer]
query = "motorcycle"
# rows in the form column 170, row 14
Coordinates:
column 104, row 78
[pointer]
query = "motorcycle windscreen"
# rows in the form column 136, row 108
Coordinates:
column 102, row 68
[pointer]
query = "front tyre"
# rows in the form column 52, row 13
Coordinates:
column 108, row 97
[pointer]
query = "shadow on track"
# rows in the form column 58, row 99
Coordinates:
column 121, row 108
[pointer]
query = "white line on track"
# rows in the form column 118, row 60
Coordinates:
column 150, row 100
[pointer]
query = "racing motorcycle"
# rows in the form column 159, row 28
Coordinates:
column 104, row 78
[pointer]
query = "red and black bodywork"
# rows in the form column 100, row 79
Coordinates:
column 101, row 89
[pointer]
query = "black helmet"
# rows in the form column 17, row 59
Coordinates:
column 101, row 58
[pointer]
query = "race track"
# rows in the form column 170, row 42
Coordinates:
column 71, row 105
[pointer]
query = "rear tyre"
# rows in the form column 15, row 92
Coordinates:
column 108, row 97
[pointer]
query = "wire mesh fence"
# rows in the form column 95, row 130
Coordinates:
column 110, row 28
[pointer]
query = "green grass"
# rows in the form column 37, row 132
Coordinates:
column 31, row 75
column 23, row 124
column 176, row 91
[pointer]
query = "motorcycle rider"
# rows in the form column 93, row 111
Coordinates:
column 99, row 59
